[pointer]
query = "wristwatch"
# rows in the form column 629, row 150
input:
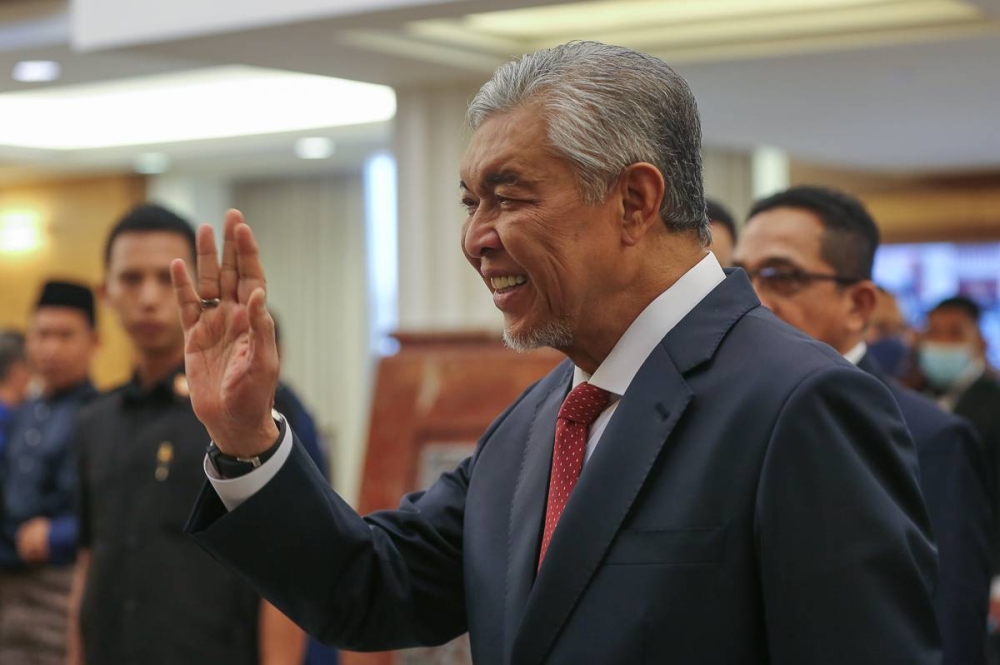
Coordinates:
column 228, row 466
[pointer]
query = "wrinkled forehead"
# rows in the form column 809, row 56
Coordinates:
column 510, row 142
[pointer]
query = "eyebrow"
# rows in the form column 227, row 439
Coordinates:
column 771, row 262
column 498, row 178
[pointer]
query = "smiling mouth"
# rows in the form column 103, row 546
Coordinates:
column 507, row 282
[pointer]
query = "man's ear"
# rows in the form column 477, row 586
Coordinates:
column 863, row 298
column 642, row 188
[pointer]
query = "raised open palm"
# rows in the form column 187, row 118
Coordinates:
column 230, row 354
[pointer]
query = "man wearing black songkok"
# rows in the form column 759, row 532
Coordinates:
column 38, row 527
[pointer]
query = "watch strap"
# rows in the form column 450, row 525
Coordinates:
column 229, row 466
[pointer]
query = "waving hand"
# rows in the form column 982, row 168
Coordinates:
column 230, row 353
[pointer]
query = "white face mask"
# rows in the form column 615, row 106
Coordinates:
column 944, row 364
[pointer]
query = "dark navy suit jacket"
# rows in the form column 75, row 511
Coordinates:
column 754, row 499
column 953, row 481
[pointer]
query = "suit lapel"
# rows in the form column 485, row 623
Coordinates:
column 610, row 482
column 528, row 506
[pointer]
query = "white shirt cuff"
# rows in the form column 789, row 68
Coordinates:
column 234, row 491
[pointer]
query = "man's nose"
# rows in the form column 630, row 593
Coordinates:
column 149, row 293
column 480, row 237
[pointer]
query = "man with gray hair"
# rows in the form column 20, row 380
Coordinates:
column 697, row 483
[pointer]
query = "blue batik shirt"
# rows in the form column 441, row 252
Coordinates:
column 38, row 476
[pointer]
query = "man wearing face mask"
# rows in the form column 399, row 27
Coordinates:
column 888, row 337
column 952, row 359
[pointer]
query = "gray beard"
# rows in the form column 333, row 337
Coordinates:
column 554, row 334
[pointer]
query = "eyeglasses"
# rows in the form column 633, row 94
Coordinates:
column 789, row 281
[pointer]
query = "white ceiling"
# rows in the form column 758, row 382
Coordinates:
column 894, row 99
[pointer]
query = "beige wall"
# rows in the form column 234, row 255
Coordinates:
column 311, row 232
column 76, row 216
column 956, row 208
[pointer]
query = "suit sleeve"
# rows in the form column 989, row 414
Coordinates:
column 847, row 562
column 388, row 581
column 952, row 465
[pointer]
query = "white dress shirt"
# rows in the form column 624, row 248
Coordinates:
column 615, row 374
column 855, row 355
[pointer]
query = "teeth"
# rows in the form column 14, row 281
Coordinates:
column 507, row 281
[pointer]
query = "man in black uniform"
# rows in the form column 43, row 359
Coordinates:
column 144, row 592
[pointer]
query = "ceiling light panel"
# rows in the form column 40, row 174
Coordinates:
column 669, row 25
column 539, row 22
column 897, row 16
column 209, row 103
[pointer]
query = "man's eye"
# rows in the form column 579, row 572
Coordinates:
column 469, row 205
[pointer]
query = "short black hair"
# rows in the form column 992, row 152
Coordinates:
column 850, row 235
column 966, row 305
column 147, row 218
column 718, row 213
column 11, row 351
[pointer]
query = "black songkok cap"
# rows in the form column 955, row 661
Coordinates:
column 68, row 294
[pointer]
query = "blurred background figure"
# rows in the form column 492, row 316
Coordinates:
column 15, row 376
column 889, row 338
column 952, row 362
column 38, row 526
column 809, row 252
column 144, row 592
column 723, row 232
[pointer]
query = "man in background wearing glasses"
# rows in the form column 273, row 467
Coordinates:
column 809, row 253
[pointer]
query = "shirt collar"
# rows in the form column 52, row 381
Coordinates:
column 164, row 389
column 652, row 325
column 855, row 355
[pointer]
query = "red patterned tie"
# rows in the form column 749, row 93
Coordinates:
column 579, row 411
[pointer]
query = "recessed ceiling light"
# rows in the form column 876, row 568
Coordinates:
column 36, row 71
column 151, row 163
column 314, row 147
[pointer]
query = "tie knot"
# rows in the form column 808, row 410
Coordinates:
column 584, row 403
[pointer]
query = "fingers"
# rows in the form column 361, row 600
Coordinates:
column 251, row 272
column 229, row 275
column 187, row 298
column 208, row 263
column 261, row 332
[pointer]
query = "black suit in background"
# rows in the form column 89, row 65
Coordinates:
column 754, row 499
column 954, row 485
column 980, row 405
